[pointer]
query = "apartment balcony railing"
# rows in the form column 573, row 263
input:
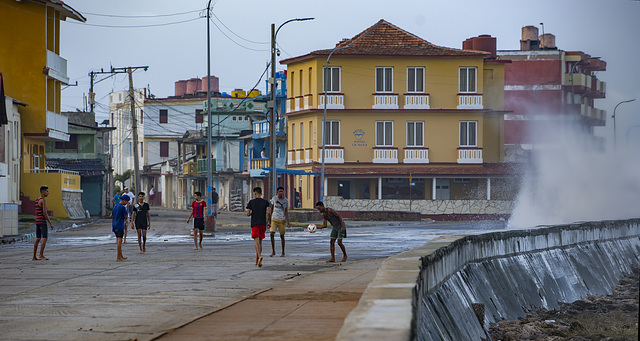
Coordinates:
column 385, row 155
column 261, row 129
column 331, row 154
column 259, row 163
column 308, row 155
column 57, row 126
column 416, row 101
column 290, row 159
column 416, row 155
column 190, row 168
column 297, row 102
column 202, row 165
column 57, row 67
column 289, row 106
column 470, row 101
column 469, row 155
column 385, row 101
column 298, row 156
column 334, row 101
column 308, row 102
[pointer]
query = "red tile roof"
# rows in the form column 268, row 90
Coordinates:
column 386, row 39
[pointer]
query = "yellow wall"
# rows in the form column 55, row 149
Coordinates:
column 31, row 183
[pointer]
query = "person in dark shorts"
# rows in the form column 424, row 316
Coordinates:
column 142, row 221
column 338, row 232
column 197, row 212
column 118, row 224
column 129, row 207
column 257, row 209
column 42, row 217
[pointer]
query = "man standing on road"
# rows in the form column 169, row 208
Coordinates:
column 142, row 221
column 338, row 232
column 197, row 212
column 119, row 217
column 257, row 209
column 42, row 217
column 279, row 216
column 129, row 207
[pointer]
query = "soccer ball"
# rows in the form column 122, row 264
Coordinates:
column 311, row 228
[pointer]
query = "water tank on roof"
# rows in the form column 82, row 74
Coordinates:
column 214, row 84
column 194, row 85
column 482, row 42
column 548, row 41
column 180, row 88
column 239, row 93
column 529, row 33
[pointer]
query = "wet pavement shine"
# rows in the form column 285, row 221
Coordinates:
column 174, row 292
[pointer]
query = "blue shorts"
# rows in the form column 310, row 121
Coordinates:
column 41, row 231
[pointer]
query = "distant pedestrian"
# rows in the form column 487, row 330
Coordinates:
column 338, row 232
column 115, row 199
column 152, row 195
column 197, row 212
column 263, row 153
column 299, row 197
column 258, row 208
column 279, row 217
column 118, row 224
column 214, row 203
column 42, row 217
column 142, row 221
column 129, row 207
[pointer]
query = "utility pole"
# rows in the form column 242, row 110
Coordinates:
column 134, row 127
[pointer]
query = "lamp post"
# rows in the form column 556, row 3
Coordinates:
column 272, row 114
column 615, row 139
column 209, row 146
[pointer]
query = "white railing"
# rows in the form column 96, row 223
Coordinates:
column 290, row 160
column 51, row 170
column 307, row 102
column 385, row 156
column 57, row 123
column 57, row 67
column 416, row 102
column 385, row 102
column 469, row 155
column 470, row 102
column 289, row 102
column 416, row 156
column 307, row 156
column 296, row 102
column 298, row 158
column 333, row 155
column 333, row 101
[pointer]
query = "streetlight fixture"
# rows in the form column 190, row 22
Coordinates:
column 272, row 114
column 615, row 139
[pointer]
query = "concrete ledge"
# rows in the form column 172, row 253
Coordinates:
column 506, row 271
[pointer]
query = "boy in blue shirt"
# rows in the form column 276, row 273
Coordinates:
column 118, row 225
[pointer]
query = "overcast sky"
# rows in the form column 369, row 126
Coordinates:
column 240, row 35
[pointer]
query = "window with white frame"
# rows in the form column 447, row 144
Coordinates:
column 415, row 79
column 331, row 79
column 415, row 134
column 467, row 79
column 384, row 133
column 384, row 79
column 468, row 132
column 332, row 131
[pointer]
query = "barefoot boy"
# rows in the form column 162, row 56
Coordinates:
column 142, row 221
column 42, row 217
column 258, row 208
column 338, row 232
column 197, row 212
column 279, row 217
column 119, row 217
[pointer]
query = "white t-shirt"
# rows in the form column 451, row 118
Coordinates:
column 131, row 197
column 279, row 206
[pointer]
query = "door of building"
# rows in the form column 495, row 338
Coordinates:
column 442, row 189
column 344, row 189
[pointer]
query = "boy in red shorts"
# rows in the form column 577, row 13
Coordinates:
column 257, row 209
column 197, row 212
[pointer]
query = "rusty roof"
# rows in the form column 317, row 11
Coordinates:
column 386, row 39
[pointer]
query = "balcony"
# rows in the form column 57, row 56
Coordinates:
column 308, row 102
column 190, row 168
column 297, row 103
column 581, row 82
column 385, row 101
column 470, row 101
column 57, row 126
column 332, row 155
column 415, row 101
column 261, row 129
column 298, row 158
column 202, row 165
column 334, row 101
column 57, row 67
column 416, row 155
column 385, row 155
column 469, row 155
column 257, row 164
column 308, row 155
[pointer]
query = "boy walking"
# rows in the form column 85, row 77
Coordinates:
column 129, row 207
column 142, row 221
column 279, row 216
column 338, row 232
column 42, row 217
column 257, row 209
column 118, row 224
column 197, row 212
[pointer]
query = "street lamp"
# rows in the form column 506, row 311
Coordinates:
column 272, row 114
column 615, row 139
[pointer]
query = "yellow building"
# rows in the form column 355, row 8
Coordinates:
column 410, row 126
column 33, row 72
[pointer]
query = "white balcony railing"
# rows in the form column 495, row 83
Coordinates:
column 290, row 159
column 416, row 102
column 289, row 105
column 297, row 103
column 385, row 102
column 332, row 155
column 57, row 67
column 57, row 126
column 470, row 102
column 385, row 156
column 469, row 155
column 298, row 158
column 416, row 156
column 307, row 155
column 333, row 101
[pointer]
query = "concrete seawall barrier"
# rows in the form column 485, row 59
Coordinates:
column 427, row 293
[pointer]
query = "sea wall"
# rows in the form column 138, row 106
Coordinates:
column 427, row 293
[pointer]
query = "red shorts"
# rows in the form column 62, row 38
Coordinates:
column 258, row 231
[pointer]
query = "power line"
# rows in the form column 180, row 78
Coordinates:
column 140, row 16
column 250, row 41
column 235, row 42
column 135, row 26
